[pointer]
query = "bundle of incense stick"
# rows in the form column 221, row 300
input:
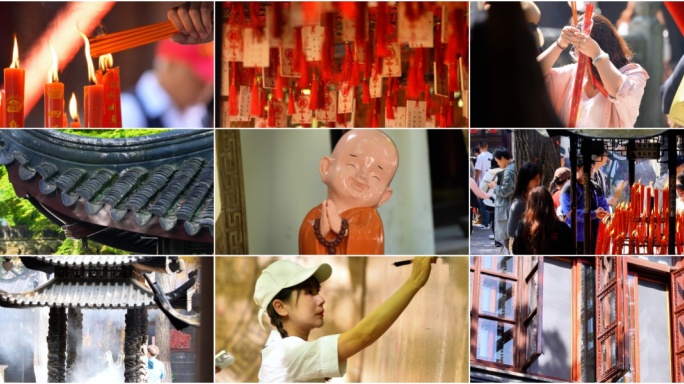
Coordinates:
column 135, row 37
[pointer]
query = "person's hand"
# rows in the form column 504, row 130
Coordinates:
column 491, row 185
column 325, row 224
column 566, row 36
column 601, row 213
column 611, row 201
column 334, row 218
column 194, row 21
column 421, row 270
column 585, row 44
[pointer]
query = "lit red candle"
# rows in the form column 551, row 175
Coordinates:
column 93, row 104
column 73, row 111
column 109, row 78
column 54, row 97
column 14, row 91
column 2, row 109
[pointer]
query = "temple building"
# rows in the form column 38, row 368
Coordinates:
column 147, row 195
column 82, row 283
column 578, row 319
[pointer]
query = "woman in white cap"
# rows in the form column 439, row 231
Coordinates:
column 289, row 293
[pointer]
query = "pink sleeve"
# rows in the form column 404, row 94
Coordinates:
column 628, row 97
column 558, row 84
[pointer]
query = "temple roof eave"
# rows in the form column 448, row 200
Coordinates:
column 70, row 293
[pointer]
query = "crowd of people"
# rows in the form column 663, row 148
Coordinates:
column 527, row 218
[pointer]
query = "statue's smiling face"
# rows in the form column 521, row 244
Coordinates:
column 362, row 167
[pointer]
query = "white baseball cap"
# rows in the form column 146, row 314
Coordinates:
column 284, row 274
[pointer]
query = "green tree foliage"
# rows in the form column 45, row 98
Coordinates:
column 75, row 247
column 114, row 133
column 19, row 212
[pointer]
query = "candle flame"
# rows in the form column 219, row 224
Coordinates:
column 54, row 69
column 91, row 68
column 73, row 109
column 15, row 54
column 106, row 62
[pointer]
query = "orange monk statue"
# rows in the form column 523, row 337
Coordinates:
column 358, row 174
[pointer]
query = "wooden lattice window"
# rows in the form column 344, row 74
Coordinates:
column 506, row 310
column 677, row 285
column 612, row 354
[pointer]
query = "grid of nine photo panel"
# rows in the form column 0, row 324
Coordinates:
column 344, row 246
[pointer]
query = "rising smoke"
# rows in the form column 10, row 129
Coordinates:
column 24, row 349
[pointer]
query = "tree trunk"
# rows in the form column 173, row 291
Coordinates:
column 531, row 146
column 162, row 328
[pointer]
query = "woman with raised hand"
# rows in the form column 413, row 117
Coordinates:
column 612, row 67
column 290, row 295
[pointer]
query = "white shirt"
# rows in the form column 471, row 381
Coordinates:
column 292, row 360
column 156, row 102
column 483, row 162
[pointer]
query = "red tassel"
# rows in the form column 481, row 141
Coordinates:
column 304, row 73
column 412, row 91
column 368, row 60
column 232, row 93
column 374, row 118
column 262, row 104
column 442, row 117
column 389, row 111
column 254, row 100
column 347, row 63
column 381, row 30
column 420, row 55
column 453, row 78
column 278, row 92
column 355, row 75
column 450, row 114
column 290, row 103
column 428, row 101
column 328, row 46
column 300, row 60
column 271, row 114
column 365, row 92
column 314, row 99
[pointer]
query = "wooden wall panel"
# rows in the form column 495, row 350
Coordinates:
column 429, row 341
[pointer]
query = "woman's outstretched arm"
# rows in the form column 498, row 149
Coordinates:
column 547, row 58
column 371, row 327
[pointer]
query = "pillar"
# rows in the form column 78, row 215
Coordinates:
column 56, row 341
column 135, row 370
column 74, row 341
